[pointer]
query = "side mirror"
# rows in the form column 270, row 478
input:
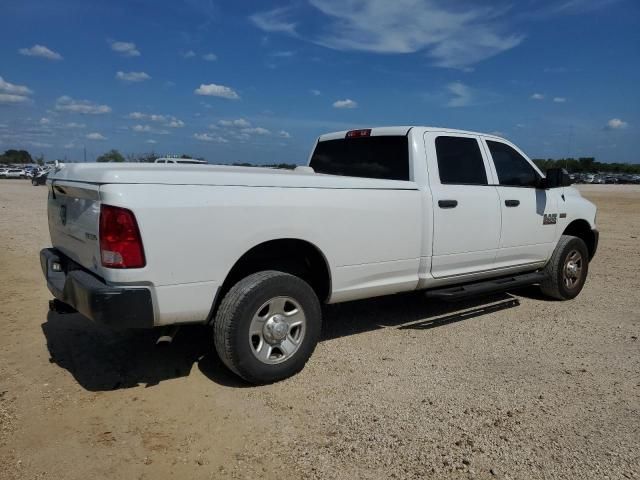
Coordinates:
column 556, row 177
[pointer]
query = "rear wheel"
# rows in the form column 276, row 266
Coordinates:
column 567, row 270
column 267, row 326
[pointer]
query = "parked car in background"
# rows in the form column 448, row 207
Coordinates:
column 13, row 173
column 40, row 178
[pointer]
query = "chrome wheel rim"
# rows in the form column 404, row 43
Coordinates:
column 277, row 330
column 572, row 271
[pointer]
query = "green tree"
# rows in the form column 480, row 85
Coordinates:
column 111, row 156
column 16, row 156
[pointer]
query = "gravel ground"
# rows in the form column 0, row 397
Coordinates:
column 512, row 386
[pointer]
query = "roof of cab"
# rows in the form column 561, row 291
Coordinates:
column 402, row 130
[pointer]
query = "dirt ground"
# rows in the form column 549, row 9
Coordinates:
column 513, row 386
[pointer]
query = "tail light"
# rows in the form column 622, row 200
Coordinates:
column 120, row 240
column 359, row 133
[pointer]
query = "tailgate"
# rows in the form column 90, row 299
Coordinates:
column 74, row 216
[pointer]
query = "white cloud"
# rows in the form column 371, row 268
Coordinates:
column 210, row 57
column 188, row 54
column 126, row 49
column 207, row 137
column 240, row 123
column 152, row 141
column 274, row 21
column 68, row 104
column 213, row 90
column 6, row 87
column 40, row 51
column 74, row 125
column 453, row 37
column 315, row 92
column 537, row 96
column 8, row 98
column 461, row 95
column 166, row 120
column 346, row 103
column 149, row 129
column 256, row 130
column 44, row 121
column 284, row 134
column 283, row 54
column 40, row 144
column 132, row 76
column 559, row 99
column 616, row 124
column 95, row 136
column 69, row 145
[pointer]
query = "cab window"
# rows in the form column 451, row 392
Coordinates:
column 513, row 169
column 460, row 161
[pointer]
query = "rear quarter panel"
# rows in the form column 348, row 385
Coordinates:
column 194, row 234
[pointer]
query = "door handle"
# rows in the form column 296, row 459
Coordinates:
column 447, row 203
column 512, row 203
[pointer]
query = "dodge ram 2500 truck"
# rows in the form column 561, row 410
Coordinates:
column 254, row 252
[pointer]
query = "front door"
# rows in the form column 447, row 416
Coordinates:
column 529, row 214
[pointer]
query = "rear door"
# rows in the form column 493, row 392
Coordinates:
column 74, row 216
column 466, row 210
column 529, row 214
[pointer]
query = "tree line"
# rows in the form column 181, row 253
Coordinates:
column 586, row 165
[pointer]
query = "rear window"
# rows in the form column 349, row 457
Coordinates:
column 385, row 157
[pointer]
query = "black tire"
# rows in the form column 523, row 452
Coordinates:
column 34, row 182
column 235, row 314
column 556, row 286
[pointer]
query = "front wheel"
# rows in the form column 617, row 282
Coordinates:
column 567, row 270
column 267, row 326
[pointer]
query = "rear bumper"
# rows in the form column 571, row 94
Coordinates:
column 117, row 307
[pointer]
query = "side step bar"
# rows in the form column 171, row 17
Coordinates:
column 460, row 292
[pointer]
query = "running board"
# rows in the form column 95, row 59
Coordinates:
column 460, row 292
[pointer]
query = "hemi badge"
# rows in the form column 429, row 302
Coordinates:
column 563, row 215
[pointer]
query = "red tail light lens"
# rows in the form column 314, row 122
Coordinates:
column 120, row 240
column 359, row 133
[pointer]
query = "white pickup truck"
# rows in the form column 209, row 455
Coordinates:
column 254, row 252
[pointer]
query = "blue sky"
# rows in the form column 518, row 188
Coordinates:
column 258, row 81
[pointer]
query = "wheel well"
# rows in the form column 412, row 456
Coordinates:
column 294, row 256
column 582, row 229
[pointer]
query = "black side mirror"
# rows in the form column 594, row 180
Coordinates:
column 556, row 177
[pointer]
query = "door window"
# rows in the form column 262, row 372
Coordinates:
column 513, row 169
column 460, row 161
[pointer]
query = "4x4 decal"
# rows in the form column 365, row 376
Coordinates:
column 550, row 219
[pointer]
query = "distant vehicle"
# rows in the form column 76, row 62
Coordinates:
column 40, row 178
column 192, row 161
column 13, row 173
